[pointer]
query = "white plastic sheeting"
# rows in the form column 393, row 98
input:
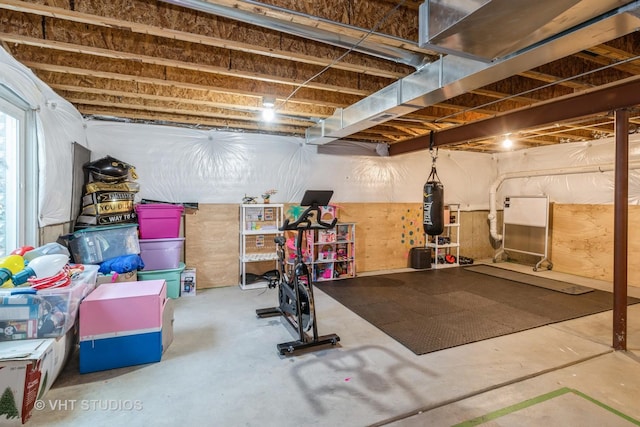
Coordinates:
column 59, row 124
column 583, row 188
column 189, row 165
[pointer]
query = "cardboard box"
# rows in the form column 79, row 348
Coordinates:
column 131, row 276
column 19, row 315
column 167, row 325
column 122, row 307
column 27, row 370
column 128, row 348
column 19, row 306
column 188, row 282
column 18, row 329
column 121, row 324
column 120, row 350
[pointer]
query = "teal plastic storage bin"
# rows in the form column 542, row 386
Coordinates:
column 170, row 276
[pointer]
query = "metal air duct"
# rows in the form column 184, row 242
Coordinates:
column 489, row 29
column 453, row 75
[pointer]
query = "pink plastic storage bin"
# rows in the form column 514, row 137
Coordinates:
column 159, row 220
column 161, row 254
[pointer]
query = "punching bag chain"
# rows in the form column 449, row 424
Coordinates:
column 433, row 176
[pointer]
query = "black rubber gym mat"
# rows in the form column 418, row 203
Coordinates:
column 430, row 310
column 543, row 282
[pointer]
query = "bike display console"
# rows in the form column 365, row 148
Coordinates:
column 295, row 287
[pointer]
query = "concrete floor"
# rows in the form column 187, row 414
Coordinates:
column 222, row 369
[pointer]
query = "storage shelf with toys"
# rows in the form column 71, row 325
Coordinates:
column 259, row 224
column 332, row 253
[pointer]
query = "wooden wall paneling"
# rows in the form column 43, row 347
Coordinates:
column 633, row 277
column 475, row 240
column 213, row 244
column 385, row 232
column 582, row 241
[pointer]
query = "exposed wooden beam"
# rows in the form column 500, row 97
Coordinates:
column 224, row 86
column 608, row 98
column 173, row 118
column 214, row 100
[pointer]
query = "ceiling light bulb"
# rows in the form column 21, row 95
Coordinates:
column 507, row 143
column 268, row 114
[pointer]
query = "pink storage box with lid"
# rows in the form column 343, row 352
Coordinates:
column 159, row 220
column 114, row 308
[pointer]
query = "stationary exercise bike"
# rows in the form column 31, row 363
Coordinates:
column 295, row 287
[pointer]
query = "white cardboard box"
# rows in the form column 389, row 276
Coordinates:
column 27, row 370
column 131, row 276
column 188, row 282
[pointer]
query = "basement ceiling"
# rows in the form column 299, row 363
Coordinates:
column 334, row 66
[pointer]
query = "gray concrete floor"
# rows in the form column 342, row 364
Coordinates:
column 222, row 369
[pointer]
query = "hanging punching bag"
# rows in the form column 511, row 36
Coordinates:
column 433, row 204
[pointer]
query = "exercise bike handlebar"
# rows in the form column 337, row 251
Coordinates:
column 304, row 221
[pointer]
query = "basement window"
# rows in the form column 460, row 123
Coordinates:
column 18, row 174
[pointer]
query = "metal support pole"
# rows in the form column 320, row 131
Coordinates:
column 620, row 230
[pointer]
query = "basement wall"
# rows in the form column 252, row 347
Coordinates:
column 381, row 194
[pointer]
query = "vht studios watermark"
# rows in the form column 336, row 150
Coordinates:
column 88, row 405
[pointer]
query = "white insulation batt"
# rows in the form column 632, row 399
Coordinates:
column 177, row 164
